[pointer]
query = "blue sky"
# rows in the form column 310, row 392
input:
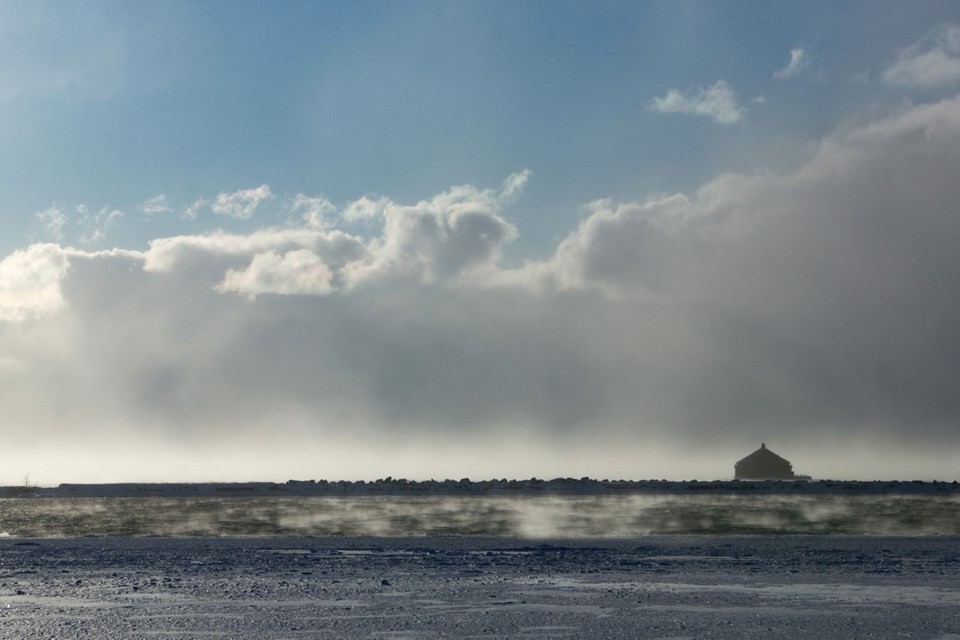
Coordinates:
column 631, row 195
column 109, row 104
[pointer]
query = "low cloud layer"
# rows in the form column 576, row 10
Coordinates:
column 814, row 309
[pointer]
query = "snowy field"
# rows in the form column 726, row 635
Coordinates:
column 667, row 587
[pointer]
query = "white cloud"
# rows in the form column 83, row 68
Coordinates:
column 169, row 254
column 365, row 208
column 193, row 209
column 98, row 224
column 718, row 102
column 933, row 61
column 298, row 272
column 641, row 247
column 514, row 184
column 316, row 212
column 441, row 240
column 30, row 282
column 86, row 227
column 436, row 240
column 53, row 220
column 242, row 203
column 625, row 248
column 156, row 204
column 799, row 60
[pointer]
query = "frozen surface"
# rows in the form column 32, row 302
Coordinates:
column 481, row 587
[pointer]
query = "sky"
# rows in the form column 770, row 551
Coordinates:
column 250, row 241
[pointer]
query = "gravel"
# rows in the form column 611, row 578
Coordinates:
column 669, row 587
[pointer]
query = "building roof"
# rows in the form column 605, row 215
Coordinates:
column 763, row 456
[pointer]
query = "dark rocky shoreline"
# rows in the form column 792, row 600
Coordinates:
column 534, row 486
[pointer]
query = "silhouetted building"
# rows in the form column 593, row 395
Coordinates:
column 763, row 464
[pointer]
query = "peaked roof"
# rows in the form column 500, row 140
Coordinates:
column 763, row 455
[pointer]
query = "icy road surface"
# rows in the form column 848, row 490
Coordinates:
column 478, row 587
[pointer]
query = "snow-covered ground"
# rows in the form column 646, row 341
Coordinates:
column 672, row 587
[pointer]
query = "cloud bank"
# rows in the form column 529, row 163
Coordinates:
column 815, row 309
